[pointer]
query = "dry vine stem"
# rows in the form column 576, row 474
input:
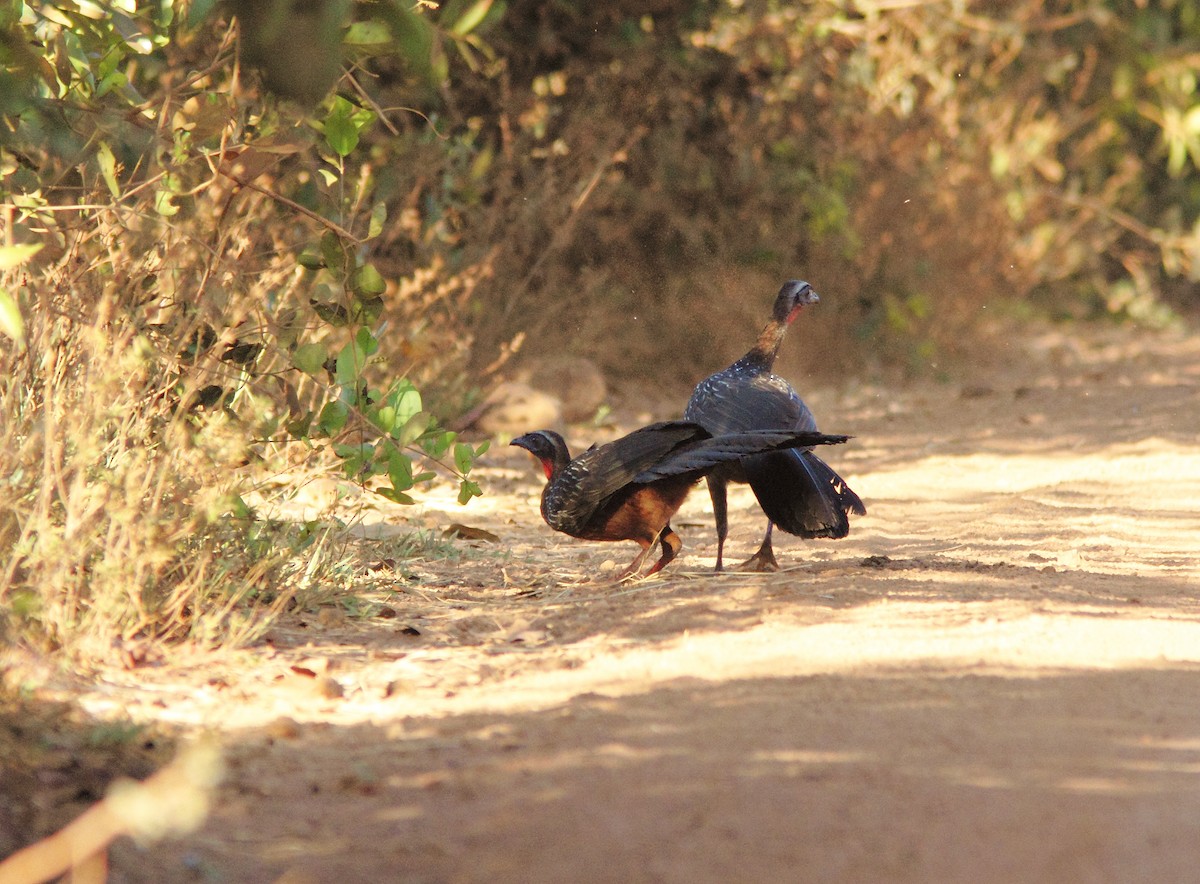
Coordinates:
column 173, row 801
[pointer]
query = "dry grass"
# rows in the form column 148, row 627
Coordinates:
column 121, row 504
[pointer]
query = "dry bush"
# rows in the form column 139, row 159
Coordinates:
column 121, row 486
column 203, row 313
column 659, row 171
column 154, row 387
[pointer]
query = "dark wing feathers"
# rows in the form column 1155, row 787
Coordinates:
column 733, row 401
column 658, row 451
column 796, row 489
column 700, row 457
column 801, row 494
column 592, row 478
column 615, row 465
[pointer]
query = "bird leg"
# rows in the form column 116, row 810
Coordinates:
column 671, row 545
column 716, row 490
column 640, row 558
column 764, row 559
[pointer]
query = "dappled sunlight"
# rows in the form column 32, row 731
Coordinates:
column 1007, row 645
column 925, row 763
column 1136, row 466
column 1109, row 510
column 1007, row 637
column 989, row 636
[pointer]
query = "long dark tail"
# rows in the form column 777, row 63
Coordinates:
column 801, row 494
column 702, row 456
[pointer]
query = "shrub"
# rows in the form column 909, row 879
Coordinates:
column 189, row 295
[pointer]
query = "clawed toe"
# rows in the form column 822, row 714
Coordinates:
column 759, row 563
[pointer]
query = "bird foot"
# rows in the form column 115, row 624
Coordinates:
column 761, row 562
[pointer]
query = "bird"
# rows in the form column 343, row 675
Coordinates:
column 797, row 490
column 630, row 488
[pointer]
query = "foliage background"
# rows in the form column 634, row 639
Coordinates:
column 283, row 233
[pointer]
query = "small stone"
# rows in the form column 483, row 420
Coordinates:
column 283, row 728
column 577, row 382
column 330, row 688
column 513, row 408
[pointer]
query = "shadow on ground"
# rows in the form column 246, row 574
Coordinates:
column 913, row 775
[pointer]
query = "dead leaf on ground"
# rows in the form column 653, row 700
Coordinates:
column 467, row 532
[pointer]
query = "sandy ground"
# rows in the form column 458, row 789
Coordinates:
column 996, row 677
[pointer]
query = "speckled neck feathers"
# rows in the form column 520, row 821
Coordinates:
column 761, row 357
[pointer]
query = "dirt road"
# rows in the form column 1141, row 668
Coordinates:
column 995, row 678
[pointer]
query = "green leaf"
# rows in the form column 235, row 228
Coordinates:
column 464, row 457
column 114, row 80
column 468, row 489
column 366, row 282
column 367, row 33
column 108, row 168
column 340, row 132
column 350, row 363
column 362, row 118
column 309, row 358
column 350, row 449
column 400, row 470
column 385, row 419
column 397, row 496
column 333, row 251
column 406, row 399
column 436, row 446
column 240, row 509
column 367, row 310
column 13, row 256
column 163, row 204
column 344, row 124
column 357, row 460
column 300, row 427
column 366, row 341
column 439, row 65
column 335, row 314
column 333, row 417
column 11, row 323
column 198, row 11
column 482, row 447
column 378, row 218
column 413, row 37
column 311, row 260
column 412, row 429
column 470, row 19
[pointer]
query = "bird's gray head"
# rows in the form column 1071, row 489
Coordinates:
column 792, row 298
column 548, row 447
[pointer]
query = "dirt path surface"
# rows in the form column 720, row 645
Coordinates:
column 996, row 677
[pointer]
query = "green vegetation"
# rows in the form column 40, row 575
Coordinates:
column 189, row 302
column 239, row 237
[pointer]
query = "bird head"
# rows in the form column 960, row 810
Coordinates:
column 548, row 447
column 792, row 298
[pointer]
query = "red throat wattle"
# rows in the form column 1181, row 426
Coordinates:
column 548, row 467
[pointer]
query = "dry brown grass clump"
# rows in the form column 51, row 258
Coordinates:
column 120, row 501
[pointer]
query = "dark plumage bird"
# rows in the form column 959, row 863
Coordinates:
column 796, row 489
column 630, row 488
